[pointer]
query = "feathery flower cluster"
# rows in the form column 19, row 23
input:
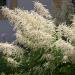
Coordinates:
column 11, row 51
column 34, row 30
column 67, row 32
column 41, row 10
column 63, row 45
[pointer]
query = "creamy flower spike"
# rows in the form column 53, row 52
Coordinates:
column 36, row 30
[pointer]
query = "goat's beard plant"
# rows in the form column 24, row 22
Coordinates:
column 39, row 42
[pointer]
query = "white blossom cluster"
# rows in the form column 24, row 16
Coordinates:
column 10, row 51
column 34, row 30
column 31, row 28
column 40, row 9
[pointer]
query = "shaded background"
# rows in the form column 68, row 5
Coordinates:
column 6, row 31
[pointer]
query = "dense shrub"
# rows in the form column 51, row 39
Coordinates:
column 41, row 47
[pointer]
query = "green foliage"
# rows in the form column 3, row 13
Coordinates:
column 9, row 74
column 2, row 2
column 5, row 69
column 65, row 69
column 35, row 64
